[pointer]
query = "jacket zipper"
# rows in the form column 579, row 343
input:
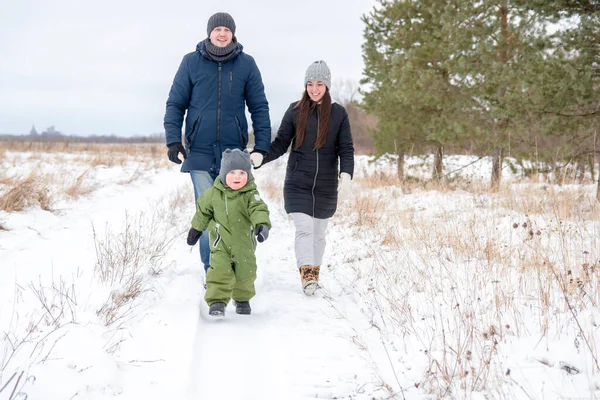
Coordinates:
column 230, row 81
column 219, row 102
column 239, row 125
column 188, row 139
column 317, row 169
column 218, row 235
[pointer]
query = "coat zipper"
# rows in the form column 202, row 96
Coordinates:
column 188, row 139
column 230, row 81
column 219, row 103
column 317, row 169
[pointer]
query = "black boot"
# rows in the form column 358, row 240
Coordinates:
column 217, row 309
column 242, row 307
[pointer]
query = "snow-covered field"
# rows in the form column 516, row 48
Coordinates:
column 427, row 292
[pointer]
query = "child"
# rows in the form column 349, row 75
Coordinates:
column 234, row 214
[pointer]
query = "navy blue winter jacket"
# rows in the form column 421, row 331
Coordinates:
column 215, row 95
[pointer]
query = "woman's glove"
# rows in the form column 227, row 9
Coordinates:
column 256, row 158
column 344, row 186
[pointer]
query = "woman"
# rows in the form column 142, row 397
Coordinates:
column 319, row 133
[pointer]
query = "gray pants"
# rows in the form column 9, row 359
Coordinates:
column 310, row 239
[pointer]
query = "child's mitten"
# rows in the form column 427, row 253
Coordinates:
column 262, row 233
column 193, row 236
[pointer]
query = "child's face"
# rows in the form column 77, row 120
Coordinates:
column 236, row 179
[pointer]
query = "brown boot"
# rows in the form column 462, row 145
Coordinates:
column 309, row 275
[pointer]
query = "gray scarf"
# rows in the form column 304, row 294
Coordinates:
column 221, row 54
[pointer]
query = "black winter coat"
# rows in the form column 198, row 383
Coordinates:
column 311, row 179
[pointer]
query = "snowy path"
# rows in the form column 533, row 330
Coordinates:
column 291, row 347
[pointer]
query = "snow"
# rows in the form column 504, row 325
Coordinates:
column 425, row 293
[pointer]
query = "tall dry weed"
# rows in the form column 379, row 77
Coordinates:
column 81, row 186
column 459, row 283
column 23, row 192
column 128, row 259
column 573, row 202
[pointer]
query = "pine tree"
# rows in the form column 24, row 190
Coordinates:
column 409, row 51
column 570, row 99
column 443, row 72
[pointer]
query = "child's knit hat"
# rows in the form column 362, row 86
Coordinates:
column 235, row 159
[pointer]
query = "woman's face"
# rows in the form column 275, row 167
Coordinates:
column 221, row 36
column 315, row 90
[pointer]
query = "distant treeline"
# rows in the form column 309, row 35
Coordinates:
column 59, row 137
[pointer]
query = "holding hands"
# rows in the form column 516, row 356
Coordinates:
column 256, row 157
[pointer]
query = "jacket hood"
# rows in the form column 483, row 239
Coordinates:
column 201, row 48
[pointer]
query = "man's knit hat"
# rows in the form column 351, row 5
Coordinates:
column 220, row 19
column 318, row 71
column 234, row 159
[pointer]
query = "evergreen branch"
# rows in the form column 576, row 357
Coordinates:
column 561, row 114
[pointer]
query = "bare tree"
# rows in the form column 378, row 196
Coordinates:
column 345, row 91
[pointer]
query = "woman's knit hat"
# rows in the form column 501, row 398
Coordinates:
column 318, row 71
column 220, row 19
column 234, row 159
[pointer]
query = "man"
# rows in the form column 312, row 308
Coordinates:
column 214, row 84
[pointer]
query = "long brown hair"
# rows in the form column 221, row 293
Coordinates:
column 306, row 106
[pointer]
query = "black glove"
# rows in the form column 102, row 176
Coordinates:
column 262, row 233
column 174, row 150
column 193, row 236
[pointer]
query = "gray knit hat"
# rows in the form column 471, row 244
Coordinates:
column 318, row 71
column 220, row 19
column 234, row 159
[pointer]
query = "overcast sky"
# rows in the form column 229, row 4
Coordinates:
column 106, row 67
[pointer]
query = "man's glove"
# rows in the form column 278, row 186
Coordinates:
column 262, row 233
column 257, row 157
column 193, row 236
column 344, row 187
column 174, row 150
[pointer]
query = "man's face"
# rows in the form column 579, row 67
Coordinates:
column 221, row 36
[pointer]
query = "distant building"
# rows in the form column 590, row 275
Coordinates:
column 51, row 131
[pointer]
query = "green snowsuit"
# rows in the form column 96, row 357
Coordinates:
column 231, row 217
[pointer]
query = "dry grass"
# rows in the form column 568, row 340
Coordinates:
column 380, row 179
column 457, row 281
column 43, row 189
column 23, row 192
column 181, row 199
column 76, row 147
column 80, row 187
column 564, row 202
column 272, row 189
column 94, row 154
column 128, row 259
